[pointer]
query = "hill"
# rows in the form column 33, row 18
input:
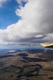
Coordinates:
column 34, row 64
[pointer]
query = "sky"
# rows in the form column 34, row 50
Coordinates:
column 25, row 23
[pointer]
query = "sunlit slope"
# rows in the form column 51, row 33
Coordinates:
column 47, row 45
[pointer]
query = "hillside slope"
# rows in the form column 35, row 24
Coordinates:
column 27, row 65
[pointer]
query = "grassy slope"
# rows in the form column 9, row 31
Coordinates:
column 25, row 67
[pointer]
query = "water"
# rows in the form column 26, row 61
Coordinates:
column 37, row 49
column 4, row 50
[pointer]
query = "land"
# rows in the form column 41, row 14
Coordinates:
column 27, row 65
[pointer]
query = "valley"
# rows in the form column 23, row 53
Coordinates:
column 27, row 65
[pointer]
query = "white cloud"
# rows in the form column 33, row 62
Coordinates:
column 49, row 38
column 37, row 14
column 37, row 36
column 35, row 26
column 2, row 1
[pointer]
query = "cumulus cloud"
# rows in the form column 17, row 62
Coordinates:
column 2, row 1
column 35, row 25
column 37, row 14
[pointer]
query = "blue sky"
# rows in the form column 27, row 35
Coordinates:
column 7, row 13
